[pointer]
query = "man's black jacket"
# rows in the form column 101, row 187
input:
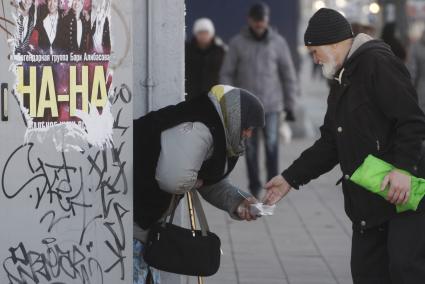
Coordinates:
column 372, row 109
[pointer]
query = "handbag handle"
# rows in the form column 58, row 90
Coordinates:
column 171, row 210
column 197, row 207
column 200, row 212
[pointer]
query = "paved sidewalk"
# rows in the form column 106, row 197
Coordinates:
column 308, row 239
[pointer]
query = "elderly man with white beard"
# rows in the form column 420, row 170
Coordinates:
column 372, row 110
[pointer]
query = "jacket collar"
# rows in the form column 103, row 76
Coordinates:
column 358, row 42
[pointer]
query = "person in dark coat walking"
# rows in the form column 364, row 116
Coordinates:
column 372, row 109
column 204, row 56
column 389, row 37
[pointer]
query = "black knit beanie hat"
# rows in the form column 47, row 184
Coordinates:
column 259, row 11
column 327, row 26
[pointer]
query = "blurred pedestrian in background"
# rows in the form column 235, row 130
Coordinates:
column 204, row 57
column 259, row 60
column 390, row 38
column 363, row 25
column 416, row 64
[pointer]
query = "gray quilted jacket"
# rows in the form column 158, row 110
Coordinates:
column 183, row 150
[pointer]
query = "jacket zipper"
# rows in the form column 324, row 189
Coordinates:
column 378, row 146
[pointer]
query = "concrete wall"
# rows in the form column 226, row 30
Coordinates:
column 35, row 222
column 166, row 80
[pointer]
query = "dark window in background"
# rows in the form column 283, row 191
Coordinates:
column 229, row 16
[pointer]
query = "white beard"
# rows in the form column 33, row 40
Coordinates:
column 329, row 69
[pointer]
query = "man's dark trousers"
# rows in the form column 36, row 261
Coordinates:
column 393, row 253
column 271, row 141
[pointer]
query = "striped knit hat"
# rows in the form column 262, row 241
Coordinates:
column 239, row 110
column 327, row 26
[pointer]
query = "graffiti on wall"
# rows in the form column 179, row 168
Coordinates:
column 61, row 184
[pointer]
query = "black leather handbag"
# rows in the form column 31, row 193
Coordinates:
column 179, row 250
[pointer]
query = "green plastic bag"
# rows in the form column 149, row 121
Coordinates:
column 373, row 171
